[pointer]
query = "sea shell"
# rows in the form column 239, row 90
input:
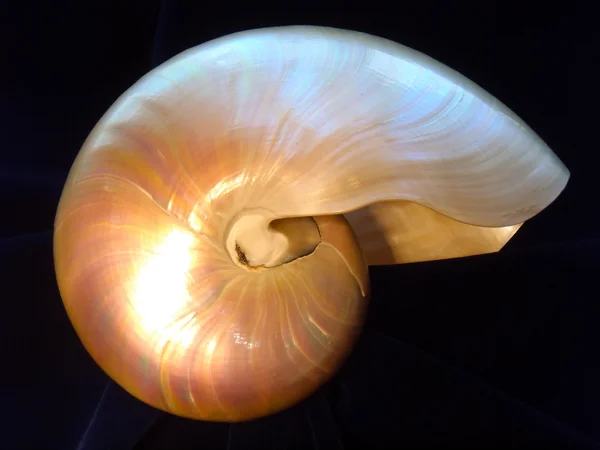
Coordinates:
column 202, row 241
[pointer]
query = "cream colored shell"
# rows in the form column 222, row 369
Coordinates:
column 167, row 259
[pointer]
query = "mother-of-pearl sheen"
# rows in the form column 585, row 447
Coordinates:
column 341, row 128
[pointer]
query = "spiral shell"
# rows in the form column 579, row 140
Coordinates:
column 203, row 245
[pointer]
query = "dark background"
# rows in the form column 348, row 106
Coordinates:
column 496, row 351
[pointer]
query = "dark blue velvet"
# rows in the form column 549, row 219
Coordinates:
column 494, row 351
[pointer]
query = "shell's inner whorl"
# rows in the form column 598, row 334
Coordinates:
column 255, row 242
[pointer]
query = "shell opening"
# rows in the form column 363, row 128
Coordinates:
column 256, row 240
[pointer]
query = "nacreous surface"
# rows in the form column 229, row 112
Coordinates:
column 284, row 123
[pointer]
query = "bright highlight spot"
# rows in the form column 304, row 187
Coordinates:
column 161, row 294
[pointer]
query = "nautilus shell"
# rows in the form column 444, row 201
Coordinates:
column 213, row 236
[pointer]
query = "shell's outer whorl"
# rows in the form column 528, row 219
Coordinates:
column 400, row 232
column 295, row 122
